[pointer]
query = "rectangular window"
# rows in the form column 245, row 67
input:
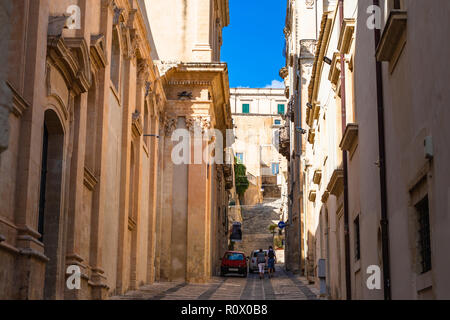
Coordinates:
column 423, row 215
column 357, row 239
column 277, row 122
column 240, row 157
column 246, row 108
column 281, row 109
column 275, row 168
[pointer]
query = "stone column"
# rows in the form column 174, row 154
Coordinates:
column 159, row 200
column 198, row 212
column 167, row 202
column 76, row 189
column 153, row 199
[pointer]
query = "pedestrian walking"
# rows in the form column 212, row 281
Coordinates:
column 271, row 262
column 261, row 260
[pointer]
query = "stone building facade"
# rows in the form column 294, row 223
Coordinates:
column 258, row 117
column 376, row 192
column 86, row 174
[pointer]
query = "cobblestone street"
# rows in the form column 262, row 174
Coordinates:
column 283, row 286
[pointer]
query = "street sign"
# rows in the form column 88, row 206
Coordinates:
column 281, row 224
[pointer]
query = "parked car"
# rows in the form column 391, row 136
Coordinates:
column 253, row 264
column 234, row 262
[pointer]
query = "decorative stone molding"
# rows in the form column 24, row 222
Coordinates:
column 170, row 124
column 311, row 136
column 202, row 122
column 98, row 51
column 393, row 39
column 136, row 126
column 336, row 184
column 165, row 66
column 71, row 57
column 308, row 49
column 90, row 181
column 312, row 195
column 325, row 196
column 309, row 4
column 350, row 137
column 346, row 36
column 284, row 72
column 335, row 69
column 317, row 176
column 19, row 105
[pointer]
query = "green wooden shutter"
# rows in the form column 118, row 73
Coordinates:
column 281, row 109
column 246, row 108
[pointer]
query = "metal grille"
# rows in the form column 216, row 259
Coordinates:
column 424, row 234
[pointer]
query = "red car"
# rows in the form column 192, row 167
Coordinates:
column 234, row 262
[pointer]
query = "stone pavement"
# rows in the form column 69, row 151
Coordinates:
column 283, row 286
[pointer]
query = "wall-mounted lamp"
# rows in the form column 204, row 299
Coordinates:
column 327, row 60
column 301, row 130
column 309, row 105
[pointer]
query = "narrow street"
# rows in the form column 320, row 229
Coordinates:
column 284, row 286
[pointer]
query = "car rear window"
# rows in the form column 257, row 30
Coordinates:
column 235, row 256
column 255, row 253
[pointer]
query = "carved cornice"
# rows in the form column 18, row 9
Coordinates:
column 98, row 52
column 336, row 184
column 72, row 58
column 348, row 142
column 20, row 105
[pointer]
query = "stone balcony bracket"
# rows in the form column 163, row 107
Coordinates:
column 335, row 69
column 336, row 184
column 325, row 196
column 349, row 140
column 346, row 36
column 393, row 39
column 311, row 136
column 312, row 195
column 317, row 176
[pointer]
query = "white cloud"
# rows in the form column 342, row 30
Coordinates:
column 275, row 85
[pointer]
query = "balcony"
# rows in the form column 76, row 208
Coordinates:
column 393, row 39
column 349, row 140
column 336, row 184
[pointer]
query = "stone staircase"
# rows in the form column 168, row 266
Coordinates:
column 255, row 225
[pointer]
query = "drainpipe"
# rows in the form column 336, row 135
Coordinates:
column 344, row 160
column 382, row 164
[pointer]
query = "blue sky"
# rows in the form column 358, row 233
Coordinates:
column 253, row 43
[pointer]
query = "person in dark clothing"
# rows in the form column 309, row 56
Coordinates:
column 271, row 263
